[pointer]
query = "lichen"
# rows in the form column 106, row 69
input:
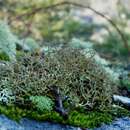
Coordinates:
column 78, row 77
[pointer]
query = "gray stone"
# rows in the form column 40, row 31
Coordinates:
column 122, row 99
column 119, row 124
column 26, row 124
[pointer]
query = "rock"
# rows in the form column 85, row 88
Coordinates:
column 121, row 99
column 127, row 67
column 26, row 124
column 118, row 124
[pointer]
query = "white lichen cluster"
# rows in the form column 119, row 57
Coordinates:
column 6, row 93
column 6, row 96
column 48, row 49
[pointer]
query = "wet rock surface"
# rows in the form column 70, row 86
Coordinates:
column 26, row 124
column 118, row 124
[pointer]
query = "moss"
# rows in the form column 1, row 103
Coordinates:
column 89, row 120
column 118, row 112
column 81, row 119
column 17, row 113
column 42, row 103
column 12, row 112
column 4, row 56
column 20, row 54
column 125, row 83
column 47, row 116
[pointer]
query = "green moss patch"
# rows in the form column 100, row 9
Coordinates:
column 84, row 120
column 89, row 120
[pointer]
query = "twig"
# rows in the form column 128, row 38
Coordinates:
column 59, row 101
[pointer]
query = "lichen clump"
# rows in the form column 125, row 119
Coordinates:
column 79, row 78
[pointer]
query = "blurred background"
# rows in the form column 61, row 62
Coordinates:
column 48, row 24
